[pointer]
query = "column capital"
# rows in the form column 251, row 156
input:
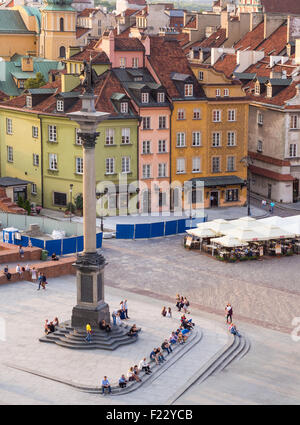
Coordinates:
column 88, row 139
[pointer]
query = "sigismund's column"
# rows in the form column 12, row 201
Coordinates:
column 91, row 307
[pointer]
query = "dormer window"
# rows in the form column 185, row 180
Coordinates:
column 188, row 90
column 60, row 106
column 135, row 62
column 28, row 101
column 145, row 97
column 218, row 92
column 160, row 97
column 226, row 92
column 269, row 91
column 257, row 89
column 124, row 107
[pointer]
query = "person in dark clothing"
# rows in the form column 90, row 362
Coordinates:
column 166, row 346
column 104, row 326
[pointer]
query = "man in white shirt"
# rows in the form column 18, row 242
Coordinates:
column 143, row 365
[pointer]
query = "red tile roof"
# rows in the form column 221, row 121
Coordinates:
column 191, row 23
column 3, row 96
column 269, row 159
column 214, row 40
column 128, row 44
column 270, row 174
column 137, row 2
column 81, row 31
column 278, row 99
column 252, row 39
column 275, row 43
column 227, row 64
column 281, row 6
column 89, row 53
column 167, row 57
column 86, row 12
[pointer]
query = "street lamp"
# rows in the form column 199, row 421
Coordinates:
column 247, row 161
column 71, row 198
column 98, row 195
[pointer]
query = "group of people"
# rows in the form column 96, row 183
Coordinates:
column 105, row 326
column 182, row 303
column 264, row 204
column 121, row 313
column 50, row 326
column 166, row 312
column 232, row 328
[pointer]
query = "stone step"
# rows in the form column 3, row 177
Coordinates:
column 94, row 345
column 102, row 340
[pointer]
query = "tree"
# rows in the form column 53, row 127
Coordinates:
column 35, row 83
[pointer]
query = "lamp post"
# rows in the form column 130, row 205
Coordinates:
column 90, row 264
column 247, row 160
column 71, row 198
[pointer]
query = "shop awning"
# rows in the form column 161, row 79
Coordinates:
column 222, row 181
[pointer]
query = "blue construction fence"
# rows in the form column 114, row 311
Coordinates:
column 155, row 230
column 59, row 246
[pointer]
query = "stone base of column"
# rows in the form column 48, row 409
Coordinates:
column 81, row 315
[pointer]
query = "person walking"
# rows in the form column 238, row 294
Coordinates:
column 88, row 333
column 40, row 279
column 33, row 274
column 263, row 203
column 272, row 205
column 126, row 309
column 114, row 317
column 44, row 281
column 21, row 251
column 19, row 271
column 229, row 312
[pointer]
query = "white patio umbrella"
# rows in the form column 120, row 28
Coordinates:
column 274, row 221
column 247, row 235
column 274, row 232
column 244, row 224
column 291, row 227
column 220, row 226
column 229, row 241
column 202, row 233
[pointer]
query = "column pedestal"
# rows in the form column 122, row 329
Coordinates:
column 90, row 307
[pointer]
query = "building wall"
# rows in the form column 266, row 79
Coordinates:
column 24, row 146
column 17, row 43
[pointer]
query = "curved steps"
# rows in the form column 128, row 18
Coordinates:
column 68, row 337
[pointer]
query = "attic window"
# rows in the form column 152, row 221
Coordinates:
column 160, row 97
column 138, row 78
column 124, row 107
column 145, row 97
column 28, row 101
column 269, row 91
column 188, row 90
column 257, row 89
column 60, row 106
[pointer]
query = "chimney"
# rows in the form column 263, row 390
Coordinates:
column 27, row 64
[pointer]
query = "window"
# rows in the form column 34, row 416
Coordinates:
column 9, row 126
column 60, row 105
column 124, row 107
column 146, row 123
column 294, row 123
column 196, row 138
column 216, row 164
column 122, row 62
column 226, row 92
column 35, row 132
column 196, row 165
column 162, row 170
column 60, row 199
column 231, row 138
column 10, row 154
column 162, row 146
column 33, row 189
column 135, row 62
column 146, row 146
column 197, row 114
column 216, row 115
column 269, row 91
column 146, row 171
column 259, row 146
column 61, row 24
column 110, row 166
column 180, row 140
column 162, row 122
column 162, row 199
column 260, row 118
column 231, row 115
column 232, row 195
column 125, row 164
column 125, row 136
column 79, row 165
column 52, row 133
column 52, row 161
column 109, row 136
column 216, row 139
column 36, row 160
column 28, row 101
column 218, row 92
column 180, row 165
column 188, row 90
column 145, row 98
column 181, row 114
column 160, row 97
column 62, row 52
column 200, row 75
column 231, row 163
column 257, row 89
column 293, row 150
column 78, row 140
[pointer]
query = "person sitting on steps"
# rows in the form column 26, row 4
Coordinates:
column 104, row 326
column 133, row 331
column 143, row 365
